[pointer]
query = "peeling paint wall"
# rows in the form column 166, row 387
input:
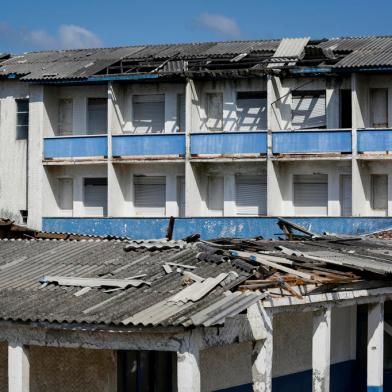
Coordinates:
column 13, row 153
column 72, row 370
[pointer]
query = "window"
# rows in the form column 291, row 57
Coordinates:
column 215, row 111
column 150, row 195
column 345, row 195
column 308, row 110
column 149, row 113
column 181, row 113
column 97, row 116
column 251, row 195
column 379, row 193
column 95, row 196
column 146, row 371
column 345, row 109
column 379, row 107
column 311, row 195
column 215, row 197
column 181, row 195
column 65, row 117
column 22, row 119
column 65, row 196
column 251, row 111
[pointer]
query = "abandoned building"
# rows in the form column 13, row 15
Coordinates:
column 224, row 136
column 116, row 315
column 253, row 145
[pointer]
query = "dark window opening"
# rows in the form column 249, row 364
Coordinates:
column 345, row 109
column 22, row 119
column 146, row 371
column 24, row 214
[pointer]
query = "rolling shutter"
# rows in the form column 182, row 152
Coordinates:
column 308, row 110
column 215, row 111
column 65, row 117
column 181, row 195
column 65, row 196
column 346, row 195
column 150, row 196
column 96, row 196
column 251, row 111
column 215, row 199
column 311, row 195
column 97, row 116
column 251, row 195
column 379, row 184
column 149, row 113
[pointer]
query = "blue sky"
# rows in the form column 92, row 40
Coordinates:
column 43, row 24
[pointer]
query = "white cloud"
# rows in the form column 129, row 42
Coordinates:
column 220, row 24
column 66, row 37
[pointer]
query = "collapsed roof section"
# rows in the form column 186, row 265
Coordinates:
column 201, row 60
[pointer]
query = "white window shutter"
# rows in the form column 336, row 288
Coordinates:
column 215, row 111
column 96, row 196
column 251, row 195
column 379, row 197
column 308, row 111
column 311, row 195
column 149, row 113
column 65, row 196
column 215, row 197
column 150, row 196
column 65, row 117
column 379, row 107
column 97, row 116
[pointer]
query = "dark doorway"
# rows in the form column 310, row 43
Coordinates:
column 345, row 109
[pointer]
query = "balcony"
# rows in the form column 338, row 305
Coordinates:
column 76, row 147
column 311, row 142
column 374, row 140
column 229, row 143
column 149, row 145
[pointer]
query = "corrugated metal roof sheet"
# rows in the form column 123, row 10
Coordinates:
column 291, row 47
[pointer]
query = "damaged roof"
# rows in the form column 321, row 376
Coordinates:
column 176, row 283
column 241, row 58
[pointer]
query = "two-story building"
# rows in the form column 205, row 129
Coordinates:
column 223, row 136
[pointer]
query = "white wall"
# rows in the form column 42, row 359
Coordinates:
column 77, row 174
column 229, row 89
column 79, row 96
column 13, row 153
column 281, row 178
column 121, row 96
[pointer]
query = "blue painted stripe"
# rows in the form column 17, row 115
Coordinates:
column 374, row 389
column 374, row 140
column 294, row 142
column 151, row 144
column 229, row 143
column 69, row 147
column 241, row 227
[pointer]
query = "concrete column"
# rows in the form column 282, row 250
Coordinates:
column 274, row 193
column 35, row 172
column 229, row 195
column 321, row 350
column 18, row 368
column 188, row 364
column 375, row 351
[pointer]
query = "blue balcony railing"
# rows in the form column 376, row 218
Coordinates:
column 317, row 141
column 75, row 147
column 229, row 143
column 148, row 145
column 376, row 140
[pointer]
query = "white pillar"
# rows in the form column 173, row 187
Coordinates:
column 321, row 350
column 188, row 364
column 18, row 368
column 261, row 323
column 375, row 351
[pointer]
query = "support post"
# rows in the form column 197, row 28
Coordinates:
column 375, row 349
column 262, row 349
column 18, row 368
column 188, row 364
column 321, row 350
